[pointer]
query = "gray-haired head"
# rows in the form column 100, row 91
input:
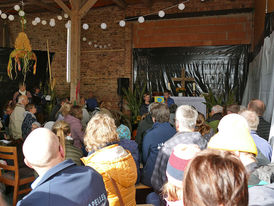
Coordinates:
column 186, row 117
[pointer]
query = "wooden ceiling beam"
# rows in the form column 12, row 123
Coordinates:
column 86, row 7
column 45, row 6
column 63, row 6
column 148, row 3
column 121, row 3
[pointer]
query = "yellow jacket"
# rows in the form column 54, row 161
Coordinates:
column 115, row 162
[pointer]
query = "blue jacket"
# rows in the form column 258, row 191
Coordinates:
column 70, row 185
column 262, row 145
column 155, row 137
column 170, row 101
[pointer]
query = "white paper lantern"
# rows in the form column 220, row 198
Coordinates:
column 52, row 23
column 100, row 46
column 181, row 6
column 3, row 16
column 95, row 45
column 161, row 13
column 59, row 17
column 44, row 22
column 85, row 26
column 24, row 21
column 105, row 46
column 141, row 19
column 34, row 23
column 84, row 39
column 103, row 26
column 89, row 43
column 11, row 17
column 16, row 7
column 109, row 45
column 122, row 23
column 37, row 19
column 66, row 15
column 21, row 13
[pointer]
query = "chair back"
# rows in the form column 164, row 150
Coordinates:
column 9, row 153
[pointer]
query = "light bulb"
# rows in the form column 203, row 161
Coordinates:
column 161, row 13
column 16, row 7
column 85, row 26
column 181, row 6
column 21, row 13
column 66, row 15
column 11, row 17
column 34, row 23
column 44, row 22
column 141, row 19
column 84, row 39
column 59, row 17
column 37, row 19
column 3, row 16
column 122, row 23
column 103, row 26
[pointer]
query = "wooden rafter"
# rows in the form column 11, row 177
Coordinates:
column 121, row 3
column 86, row 7
column 148, row 3
column 45, row 6
column 63, row 6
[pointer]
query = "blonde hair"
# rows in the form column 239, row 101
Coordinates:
column 100, row 130
column 171, row 192
column 65, row 109
column 61, row 129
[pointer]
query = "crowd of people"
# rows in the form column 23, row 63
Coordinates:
column 84, row 155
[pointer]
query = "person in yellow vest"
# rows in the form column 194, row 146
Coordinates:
column 112, row 161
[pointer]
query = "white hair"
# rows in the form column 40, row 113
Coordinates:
column 217, row 109
column 186, row 117
column 251, row 118
column 21, row 98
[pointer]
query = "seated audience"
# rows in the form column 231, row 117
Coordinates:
column 223, row 180
column 28, row 120
column 261, row 195
column 172, row 191
column 62, row 130
column 145, row 104
column 64, row 111
column 205, row 130
column 60, row 181
column 22, row 91
column 6, row 117
column 74, row 120
column 233, row 108
column 91, row 102
column 143, row 126
column 168, row 100
column 55, row 111
column 17, row 118
column 215, row 116
column 253, row 122
column 234, row 136
column 186, row 117
column 112, row 161
column 86, row 116
column 258, row 106
column 160, row 132
column 35, row 125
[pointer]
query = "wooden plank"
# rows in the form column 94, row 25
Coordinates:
column 45, row 6
column 121, row 3
column 148, row 3
column 86, row 7
column 63, row 6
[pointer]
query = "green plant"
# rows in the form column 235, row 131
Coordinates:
column 134, row 100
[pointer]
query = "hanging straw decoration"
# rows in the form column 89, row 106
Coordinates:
column 22, row 55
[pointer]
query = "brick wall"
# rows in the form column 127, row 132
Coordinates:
column 100, row 68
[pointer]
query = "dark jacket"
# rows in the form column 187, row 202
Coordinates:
column 263, row 128
column 70, row 185
column 152, row 143
column 27, row 124
column 159, row 178
column 144, row 109
column 217, row 116
column 143, row 126
column 73, row 153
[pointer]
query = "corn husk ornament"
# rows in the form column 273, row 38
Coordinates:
column 22, row 56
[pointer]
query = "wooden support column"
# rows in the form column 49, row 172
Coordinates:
column 77, row 11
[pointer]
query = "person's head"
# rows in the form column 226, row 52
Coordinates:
column 22, row 87
column 65, row 109
column 173, row 108
column 63, row 101
column 178, row 160
column 160, row 113
column 23, row 99
column 123, row 132
column 35, row 125
column 31, row 108
column 186, row 117
column 76, row 111
column 166, row 94
column 82, row 101
column 201, row 126
column 233, row 108
column 215, row 178
column 62, row 130
column 234, row 135
column 100, row 131
column 257, row 106
column 8, row 109
column 151, row 106
column 216, row 109
column 42, row 150
column 146, row 97
column 251, row 118
column 36, row 90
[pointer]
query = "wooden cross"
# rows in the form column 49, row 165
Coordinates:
column 183, row 79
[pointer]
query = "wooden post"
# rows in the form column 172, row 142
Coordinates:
column 76, row 13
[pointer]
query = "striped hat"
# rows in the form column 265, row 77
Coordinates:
column 178, row 161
